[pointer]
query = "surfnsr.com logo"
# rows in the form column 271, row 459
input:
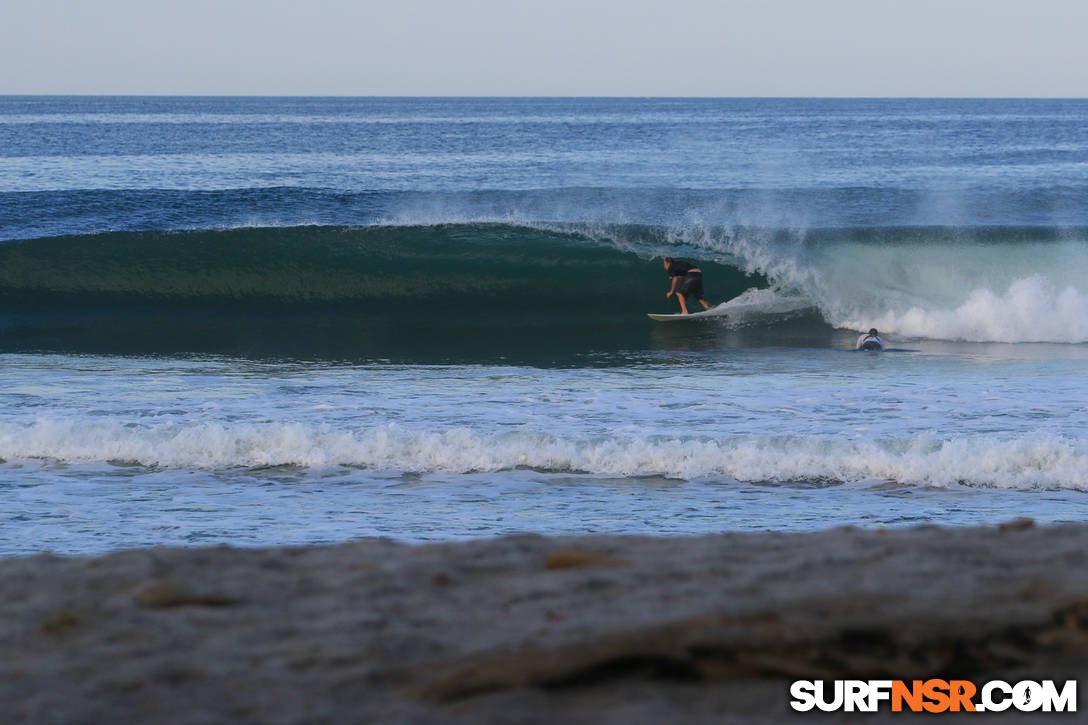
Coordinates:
column 933, row 696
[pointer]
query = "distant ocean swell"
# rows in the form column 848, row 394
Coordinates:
column 53, row 211
column 1000, row 284
column 1035, row 461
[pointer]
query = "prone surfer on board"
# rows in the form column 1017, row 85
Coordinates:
column 870, row 341
column 690, row 278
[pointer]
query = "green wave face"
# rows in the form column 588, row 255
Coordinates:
column 457, row 292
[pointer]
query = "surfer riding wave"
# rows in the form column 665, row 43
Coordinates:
column 690, row 278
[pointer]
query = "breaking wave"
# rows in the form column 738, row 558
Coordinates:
column 388, row 289
column 1040, row 461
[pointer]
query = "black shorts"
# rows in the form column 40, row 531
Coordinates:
column 691, row 284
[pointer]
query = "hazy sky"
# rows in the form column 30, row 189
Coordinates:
column 547, row 47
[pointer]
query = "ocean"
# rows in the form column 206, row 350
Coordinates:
column 281, row 321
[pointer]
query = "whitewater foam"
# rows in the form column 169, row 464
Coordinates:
column 1030, row 461
column 1029, row 310
column 995, row 285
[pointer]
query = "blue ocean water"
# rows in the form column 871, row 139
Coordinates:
column 290, row 320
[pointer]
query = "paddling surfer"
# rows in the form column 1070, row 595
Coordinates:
column 870, row 341
column 690, row 278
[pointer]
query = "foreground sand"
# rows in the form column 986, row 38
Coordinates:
column 529, row 629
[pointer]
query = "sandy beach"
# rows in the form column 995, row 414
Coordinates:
column 534, row 629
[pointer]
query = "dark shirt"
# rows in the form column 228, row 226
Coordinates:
column 679, row 269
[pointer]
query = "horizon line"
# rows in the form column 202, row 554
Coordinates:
column 536, row 97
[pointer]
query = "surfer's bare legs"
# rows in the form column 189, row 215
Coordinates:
column 683, row 303
column 704, row 303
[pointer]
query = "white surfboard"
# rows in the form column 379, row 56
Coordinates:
column 692, row 316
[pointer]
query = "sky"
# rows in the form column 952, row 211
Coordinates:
column 940, row 48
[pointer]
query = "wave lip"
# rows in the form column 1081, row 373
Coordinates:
column 1037, row 461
